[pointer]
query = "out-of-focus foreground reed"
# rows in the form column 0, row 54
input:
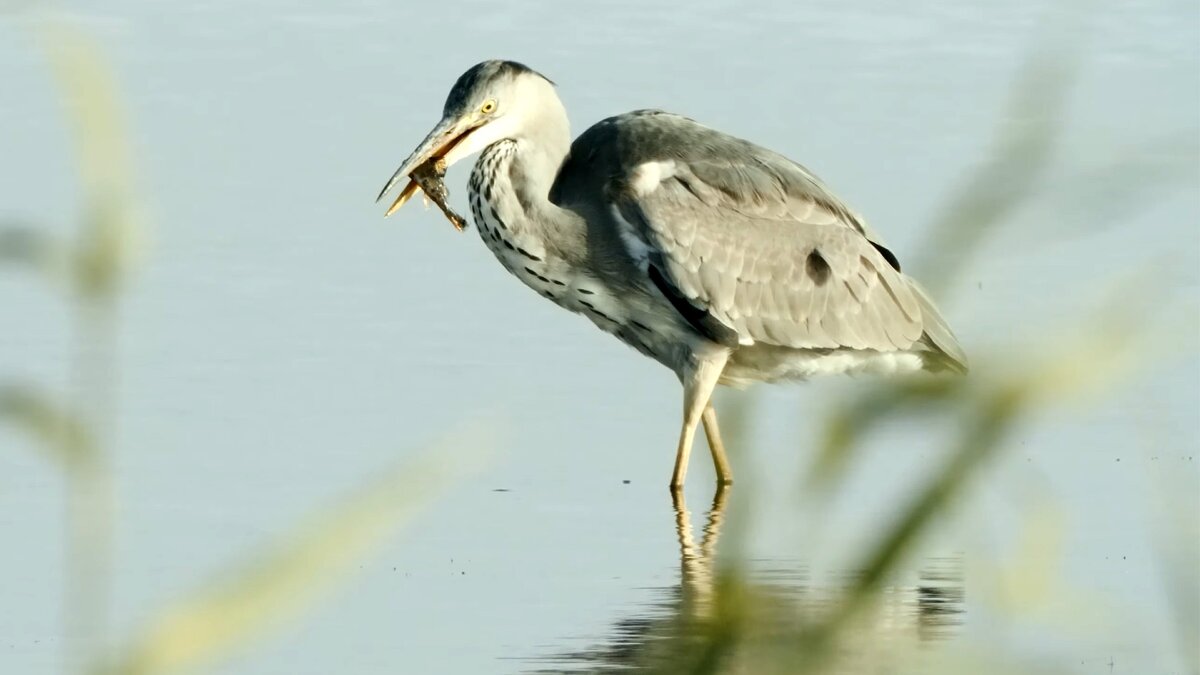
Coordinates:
column 728, row 636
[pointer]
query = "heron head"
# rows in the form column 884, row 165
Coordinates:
column 492, row 101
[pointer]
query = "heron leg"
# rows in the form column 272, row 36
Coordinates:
column 698, row 385
column 716, row 446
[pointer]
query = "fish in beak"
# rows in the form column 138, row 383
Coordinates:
column 426, row 167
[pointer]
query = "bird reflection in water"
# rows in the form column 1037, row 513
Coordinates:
column 696, row 563
column 755, row 618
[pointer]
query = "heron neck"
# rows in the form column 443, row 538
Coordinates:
column 534, row 166
column 525, row 171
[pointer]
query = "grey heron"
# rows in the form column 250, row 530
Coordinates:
column 724, row 261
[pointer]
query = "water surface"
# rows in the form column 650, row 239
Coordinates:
column 282, row 342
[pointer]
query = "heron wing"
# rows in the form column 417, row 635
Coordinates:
column 751, row 244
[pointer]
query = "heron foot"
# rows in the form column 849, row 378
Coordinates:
column 677, row 488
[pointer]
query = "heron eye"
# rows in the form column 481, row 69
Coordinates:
column 488, row 107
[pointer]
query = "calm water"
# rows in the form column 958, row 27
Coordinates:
column 282, row 342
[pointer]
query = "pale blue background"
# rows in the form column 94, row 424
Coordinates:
column 282, row 342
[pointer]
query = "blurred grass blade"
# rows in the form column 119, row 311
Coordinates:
column 1178, row 550
column 1024, row 147
column 61, row 435
column 25, row 246
column 1096, row 354
column 109, row 243
column 1121, row 186
column 237, row 610
column 1030, row 581
column 850, row 422
column 1079, row 367
column 994, row 417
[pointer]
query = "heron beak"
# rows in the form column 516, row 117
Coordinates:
column 445, row 136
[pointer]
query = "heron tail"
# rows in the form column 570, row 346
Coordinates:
column 945, row 351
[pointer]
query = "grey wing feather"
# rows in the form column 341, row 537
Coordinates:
column 938, row 333
column 749, row 238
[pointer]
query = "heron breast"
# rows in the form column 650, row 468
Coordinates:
column 518, row 245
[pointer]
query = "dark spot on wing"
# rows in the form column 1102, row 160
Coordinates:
column 888, row 256
column 817, row 268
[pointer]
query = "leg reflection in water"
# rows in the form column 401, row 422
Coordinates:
column 696, row 573
column 756, row 615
